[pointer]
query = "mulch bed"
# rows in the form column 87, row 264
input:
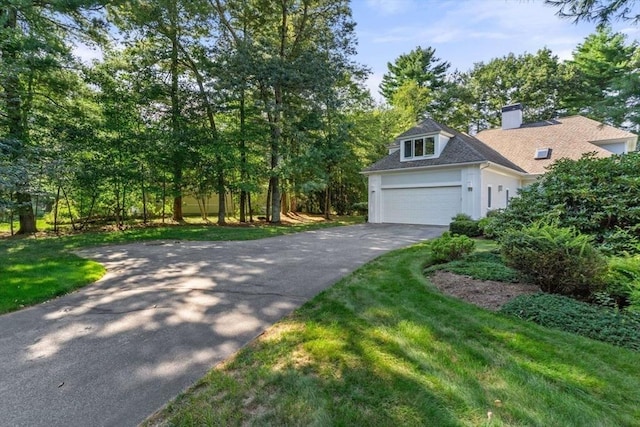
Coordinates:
column 483, row 293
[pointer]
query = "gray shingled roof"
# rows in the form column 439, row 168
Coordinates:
column 460, row 149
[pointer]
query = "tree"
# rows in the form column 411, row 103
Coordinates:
column 600, row 11
column 538, row 81
column 34, row 39
column 411, row 102
column 420, row 66
column 298, row 49
column 173, row 38
column 601, row 66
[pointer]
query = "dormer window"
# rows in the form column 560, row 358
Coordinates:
column 543, row 153
column 419, row 148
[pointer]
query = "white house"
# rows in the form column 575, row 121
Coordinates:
column 433, row 172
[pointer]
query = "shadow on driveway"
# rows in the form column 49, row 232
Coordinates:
column 166, row 312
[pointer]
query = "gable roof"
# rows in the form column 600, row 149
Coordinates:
column 460, row 149
column 568, row 137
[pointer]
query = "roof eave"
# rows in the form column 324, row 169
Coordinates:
column 415, row 168
column 499, row 166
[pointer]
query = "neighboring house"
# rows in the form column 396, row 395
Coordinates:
column 433, row 172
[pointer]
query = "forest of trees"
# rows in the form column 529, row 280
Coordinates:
column 239, row 98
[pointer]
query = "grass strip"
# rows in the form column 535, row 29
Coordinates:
column 383, row 347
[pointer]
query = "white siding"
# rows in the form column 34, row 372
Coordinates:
column 499, row 181
column 421, row 178
column 616, row 147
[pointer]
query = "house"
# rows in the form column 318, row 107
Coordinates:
column 433, row 172
column 535, row 146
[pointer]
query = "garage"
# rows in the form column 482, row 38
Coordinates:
column 426, row 205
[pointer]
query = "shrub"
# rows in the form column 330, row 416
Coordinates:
column 558, row 259
column 450, row 247
column 595, row 195
column 623, row 281
column 620, row 241
column 481, row 266
column 465, row 227
column 462, row 217
column 566, row 314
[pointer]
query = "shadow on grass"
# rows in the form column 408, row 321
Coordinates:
column 385, row 348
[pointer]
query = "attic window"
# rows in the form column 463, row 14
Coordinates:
column 419, row 148
column 543, row 153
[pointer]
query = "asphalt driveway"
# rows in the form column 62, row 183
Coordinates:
column 166, row 312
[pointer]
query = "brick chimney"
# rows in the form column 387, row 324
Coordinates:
column 511, row 116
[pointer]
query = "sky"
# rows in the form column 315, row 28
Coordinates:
column 463, row 32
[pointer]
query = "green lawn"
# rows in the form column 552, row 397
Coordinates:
column 384, row 348
column 36, row 270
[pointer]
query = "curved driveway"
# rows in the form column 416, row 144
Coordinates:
column 165, row 313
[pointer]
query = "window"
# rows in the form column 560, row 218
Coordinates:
column 430, row 146
column 507, row 204
column 408, row 149
column 489, row 197
column 543, row 153
column 419, row 148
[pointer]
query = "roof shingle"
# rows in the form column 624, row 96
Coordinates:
column 460, row 149
column 568, row 137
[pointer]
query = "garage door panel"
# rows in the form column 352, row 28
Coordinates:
column 434, row 205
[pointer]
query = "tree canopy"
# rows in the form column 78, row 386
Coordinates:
column 420, row 67
column 599, row 11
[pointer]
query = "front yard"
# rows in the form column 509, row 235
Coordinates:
column 385, row 347
column 36, row 269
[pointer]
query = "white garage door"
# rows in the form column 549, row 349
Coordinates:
column 435, row 205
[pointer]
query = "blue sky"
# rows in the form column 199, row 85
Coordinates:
column 463, row 32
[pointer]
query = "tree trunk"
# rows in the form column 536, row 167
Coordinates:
column 25, row 214
column 327, row 203
column 55, row 211
column 243, row 158
column 164, row 196
column 175, row 116
column 177, row 209
column 144, row 197
column 17, row 132
column 177, row 194
column 221, row 199
column 66, row 198
column 249, row 205
column 243, row 202
column 268, row 207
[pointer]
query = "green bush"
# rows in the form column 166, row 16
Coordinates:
column 597, row 196
column 465, row 227
column 481, row 266
column 558, row 259
column 623, row 281
column 566, row 314
column 462, row 217
column 620, row 241
column 494, row 224
column 449, row 247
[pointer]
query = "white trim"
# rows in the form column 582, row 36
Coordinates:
column 425, row 185
column 417, row 168
column 423, row 137
column 452, row 165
